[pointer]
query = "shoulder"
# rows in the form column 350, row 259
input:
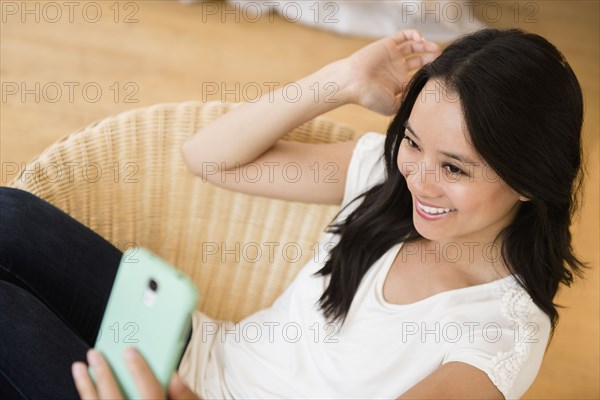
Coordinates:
column 372, row 139
column 507, row 339
column 367, row 165
column 370, row 143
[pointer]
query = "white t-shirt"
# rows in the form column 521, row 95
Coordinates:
column 383, row 349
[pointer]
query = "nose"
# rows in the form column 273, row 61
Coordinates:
column 423, row 179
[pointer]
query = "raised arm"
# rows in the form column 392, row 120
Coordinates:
column 372, row 77
column 245, row 132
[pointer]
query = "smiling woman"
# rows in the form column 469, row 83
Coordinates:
column 453, row 235
column 435, row 280
column 509, row 102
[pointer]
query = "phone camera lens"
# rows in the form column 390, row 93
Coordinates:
column 153, row 285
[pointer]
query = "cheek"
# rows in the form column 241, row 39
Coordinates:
column 464, row 197
column 477, row 199
column 406, row 161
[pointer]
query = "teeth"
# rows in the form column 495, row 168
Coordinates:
column 433, row 210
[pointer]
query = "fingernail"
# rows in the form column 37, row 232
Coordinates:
column 77, row 369
column 93, row 357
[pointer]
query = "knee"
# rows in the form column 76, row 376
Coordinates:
column 10, row 195
column 15, row 204
column 15, row 211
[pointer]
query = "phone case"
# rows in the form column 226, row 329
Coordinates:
column 155, row 318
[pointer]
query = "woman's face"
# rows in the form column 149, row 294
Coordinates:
column 480, row 203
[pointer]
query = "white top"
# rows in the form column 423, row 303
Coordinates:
column 383, row 349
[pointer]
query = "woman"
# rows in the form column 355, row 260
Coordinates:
column 450, row 246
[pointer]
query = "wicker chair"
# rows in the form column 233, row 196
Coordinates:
column 124, row 177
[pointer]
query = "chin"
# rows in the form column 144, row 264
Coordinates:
column 427, row 234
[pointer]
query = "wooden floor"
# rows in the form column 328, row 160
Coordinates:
column 161, row 51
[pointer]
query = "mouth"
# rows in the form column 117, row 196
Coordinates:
column 432, row 212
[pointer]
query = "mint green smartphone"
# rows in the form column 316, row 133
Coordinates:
column 150, row 308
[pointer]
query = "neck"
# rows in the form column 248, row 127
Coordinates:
column 477, row 258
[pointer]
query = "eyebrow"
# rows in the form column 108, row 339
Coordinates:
column 460, row 158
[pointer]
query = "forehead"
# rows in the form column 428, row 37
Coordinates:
column 437, row 113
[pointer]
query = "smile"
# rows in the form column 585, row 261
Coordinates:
column 432, row 212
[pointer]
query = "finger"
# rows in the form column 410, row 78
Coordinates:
column 410, row 47
column 407, row 34
column 431, row 47
column 418, row 61
column 83, row 382
column 147, row 384
column 397, row 103
column 179, row 390
column 106, row 384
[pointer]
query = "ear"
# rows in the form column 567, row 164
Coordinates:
column 521, row 198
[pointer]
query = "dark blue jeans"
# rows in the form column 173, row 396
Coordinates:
column 55, row 280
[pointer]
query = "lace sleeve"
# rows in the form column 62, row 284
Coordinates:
column 510, row 348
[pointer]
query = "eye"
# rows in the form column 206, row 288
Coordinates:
column 453, row 169
column 411, row 143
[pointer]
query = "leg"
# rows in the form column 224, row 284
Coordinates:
column 37, row 348
column 67, row 266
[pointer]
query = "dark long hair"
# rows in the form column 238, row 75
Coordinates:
column 523, row 108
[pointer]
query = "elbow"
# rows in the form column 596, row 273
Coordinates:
column 196, row 160
column 187, row 154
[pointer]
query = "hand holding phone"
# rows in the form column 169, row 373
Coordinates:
column 149, row 308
